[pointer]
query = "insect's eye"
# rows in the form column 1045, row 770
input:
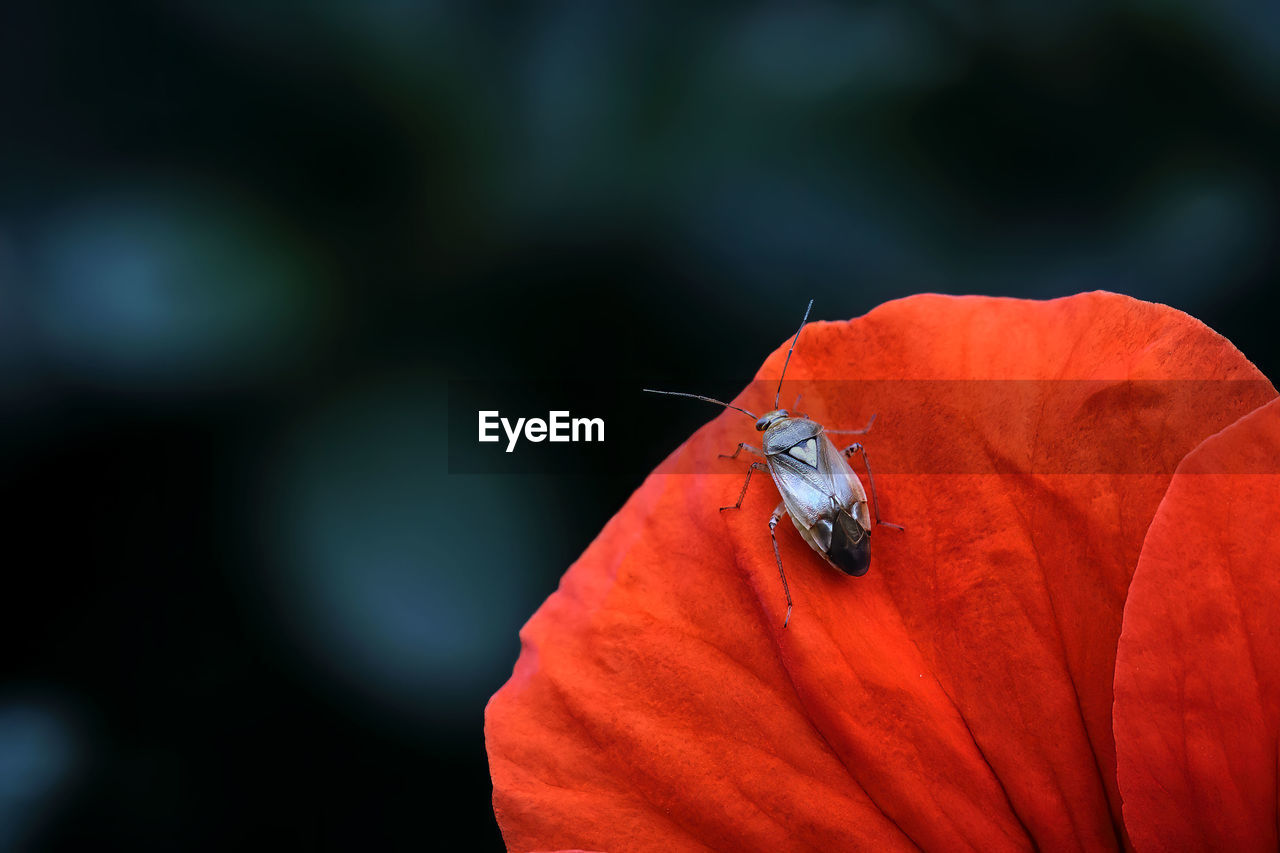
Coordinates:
column 769, row 417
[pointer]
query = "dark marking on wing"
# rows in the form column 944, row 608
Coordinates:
column 850, row 548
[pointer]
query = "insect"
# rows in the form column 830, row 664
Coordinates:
column 821, row 493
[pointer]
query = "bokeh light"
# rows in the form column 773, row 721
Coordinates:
column 171, row 287
column 38, row 756
column 387, row 565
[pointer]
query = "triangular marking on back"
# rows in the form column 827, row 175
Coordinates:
column 806, row 452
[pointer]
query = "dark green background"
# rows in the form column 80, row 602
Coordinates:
column 244, row 248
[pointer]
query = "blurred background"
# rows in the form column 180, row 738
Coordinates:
column 244, row 248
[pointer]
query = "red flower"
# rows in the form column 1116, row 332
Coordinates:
column 957, row 696
column 1197, row 712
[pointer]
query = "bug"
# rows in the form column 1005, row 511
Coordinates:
column 820, row 491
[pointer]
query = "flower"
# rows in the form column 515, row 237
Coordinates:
column 957, row 696
column 1197, row 711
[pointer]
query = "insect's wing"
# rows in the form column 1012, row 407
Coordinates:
column 846, row 487
column 849, row 549
column 805, row 494
column 828, row 506
column 815, row 480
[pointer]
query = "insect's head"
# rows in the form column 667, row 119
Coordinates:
column 769, row 418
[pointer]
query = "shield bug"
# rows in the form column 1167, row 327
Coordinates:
column 820, row 491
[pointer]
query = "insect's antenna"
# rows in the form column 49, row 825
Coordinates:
column 700, row 397
column 777, row 396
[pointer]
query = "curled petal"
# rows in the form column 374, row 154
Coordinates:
column 1197, row 712
column 956, row 697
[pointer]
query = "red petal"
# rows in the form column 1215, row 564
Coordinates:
column 957, row 696
column 1197, row 712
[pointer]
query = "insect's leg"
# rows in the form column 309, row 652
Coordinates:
column 773, row 522
column 875, row 503
column 742, row 445
column 755, row 466
column 866, row 429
